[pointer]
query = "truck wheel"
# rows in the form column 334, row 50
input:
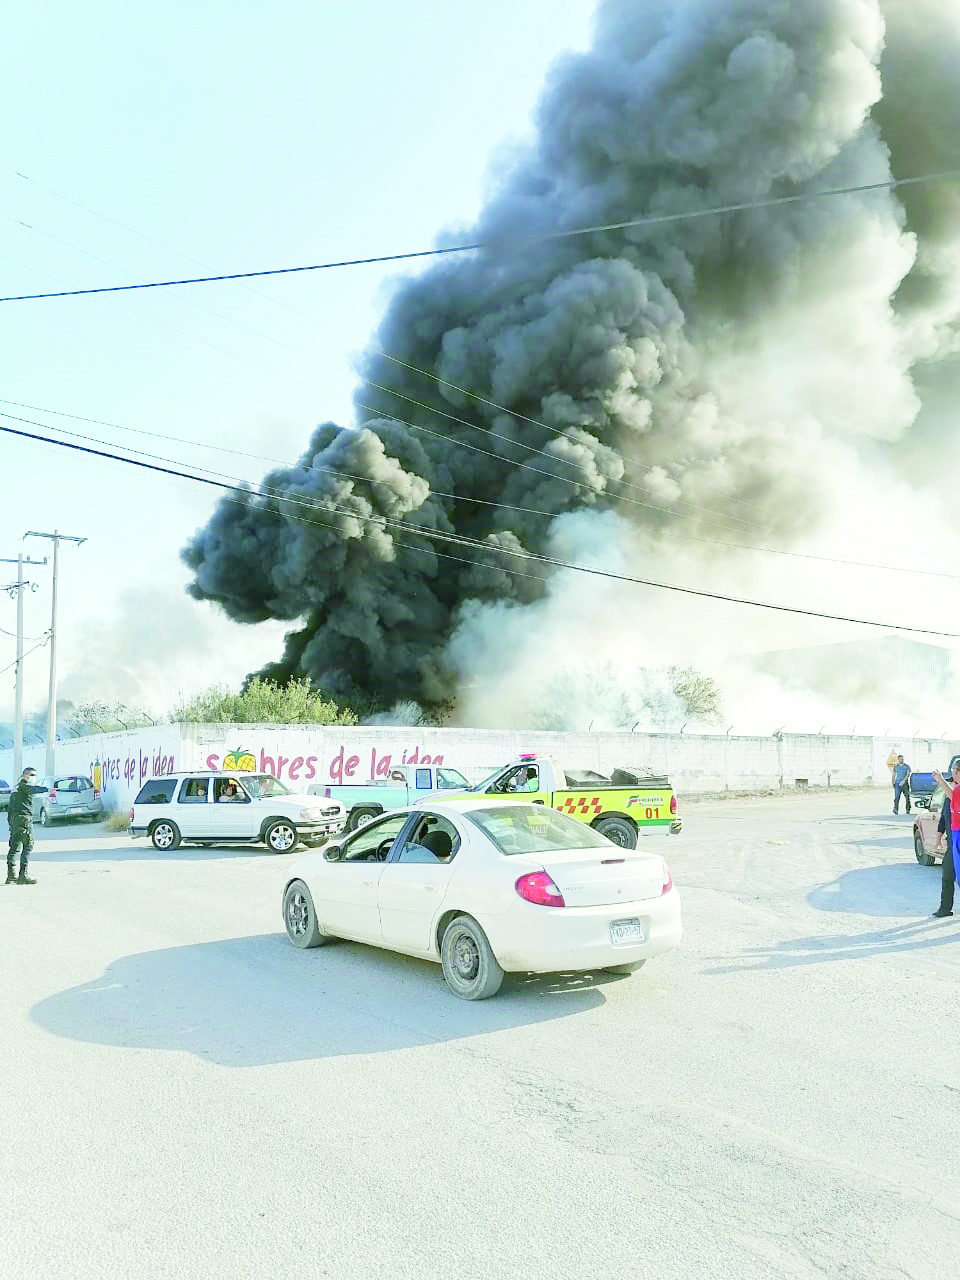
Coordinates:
column 620, row 830
column 280, row 836
column 925, row 859
column 361, row 815
column 165, row 835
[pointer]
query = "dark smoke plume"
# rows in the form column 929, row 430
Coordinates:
column 676, row 376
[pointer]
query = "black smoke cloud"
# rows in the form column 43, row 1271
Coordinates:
column 677, row 375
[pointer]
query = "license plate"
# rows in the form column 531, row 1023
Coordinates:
column 625, row 932
column 73, row 808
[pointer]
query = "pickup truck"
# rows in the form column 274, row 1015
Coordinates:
column 923, row 785
column 619, row 807
column 402, row 786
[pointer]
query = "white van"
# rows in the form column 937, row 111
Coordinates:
column 232, row 808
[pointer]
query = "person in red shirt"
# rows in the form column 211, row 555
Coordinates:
column 951, row 859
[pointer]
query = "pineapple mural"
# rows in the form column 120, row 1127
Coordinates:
column 97, row 778
column 240, row 761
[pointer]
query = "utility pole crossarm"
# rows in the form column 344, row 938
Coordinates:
column 56, row 538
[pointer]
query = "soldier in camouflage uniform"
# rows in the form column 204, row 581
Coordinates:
column 20, row 818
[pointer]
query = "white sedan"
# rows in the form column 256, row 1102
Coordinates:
column 486, row 887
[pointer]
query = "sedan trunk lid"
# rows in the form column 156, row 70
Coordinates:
column 601, row 879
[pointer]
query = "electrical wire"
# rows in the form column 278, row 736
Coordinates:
column 512, row 243
column 26, row 654
column 725, row 517
column 439, row 493
column 430, row 376
column 472, row 543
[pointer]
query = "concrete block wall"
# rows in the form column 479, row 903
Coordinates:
column 302, row 756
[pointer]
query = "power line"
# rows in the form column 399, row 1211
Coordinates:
column 439, row 493
column 475, row 544
column 11, row 665
column 511, row 243
column 433, row 377
column 430, row 376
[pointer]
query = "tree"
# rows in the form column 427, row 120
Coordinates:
column 597, row 695
column 263, row 702
column 701, row 696
column 93, row 715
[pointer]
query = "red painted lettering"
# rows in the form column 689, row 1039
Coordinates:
column 350, row 768
column 266, row 760
column 311, row 767
column 336, row 766
column 281, row 761
column 295, row 766
column 213, row 762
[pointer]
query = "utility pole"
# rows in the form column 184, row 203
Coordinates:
column 19, row 587
column 56, row 538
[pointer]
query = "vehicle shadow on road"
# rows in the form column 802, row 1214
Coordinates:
column 891, row 889
column 819, row 949
column 255, row 1001
column 898, row 890
column 146, row 853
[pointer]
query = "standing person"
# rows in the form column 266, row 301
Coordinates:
column 901, row 784
column 20, row 818
column 951, row 859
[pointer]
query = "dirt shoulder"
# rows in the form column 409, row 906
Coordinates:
column 781, row 793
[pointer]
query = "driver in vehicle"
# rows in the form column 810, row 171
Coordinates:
column 228, row 790
column 524, row 780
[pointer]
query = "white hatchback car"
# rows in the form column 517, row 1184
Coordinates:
column 231, row 808
column 486, row 887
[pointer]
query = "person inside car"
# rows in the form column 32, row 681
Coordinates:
column 524, row 780
column 228, row 790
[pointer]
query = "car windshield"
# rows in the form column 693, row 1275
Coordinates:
column 481, row 787
column 448, row 778
column 263, row 785
column 530, row 828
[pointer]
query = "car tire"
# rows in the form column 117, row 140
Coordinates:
column 470, row 968
column 165, row 835
column 618, row 830
column 280, row 836
column 361, row 815
column 300, row 917
column 44, row 818
column 925, row 859
column 631, row 967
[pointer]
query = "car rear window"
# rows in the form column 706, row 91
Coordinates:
column 157, row 791
column 532, row 828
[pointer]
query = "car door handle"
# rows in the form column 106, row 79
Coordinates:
column 368, row 884
column 432, row 888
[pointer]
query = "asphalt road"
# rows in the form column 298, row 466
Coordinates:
column 186, row 1095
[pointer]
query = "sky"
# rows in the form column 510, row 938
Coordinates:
column 150, row 144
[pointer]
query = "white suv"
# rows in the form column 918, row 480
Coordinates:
column 213, row 808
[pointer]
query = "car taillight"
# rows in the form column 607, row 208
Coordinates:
column 540, row 889
column 131, row 815
column 673, row 804
column 53, row 793
column 667, row 880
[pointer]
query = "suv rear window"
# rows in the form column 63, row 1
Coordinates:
column 157, row 791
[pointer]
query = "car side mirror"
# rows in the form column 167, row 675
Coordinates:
column 333, row 853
